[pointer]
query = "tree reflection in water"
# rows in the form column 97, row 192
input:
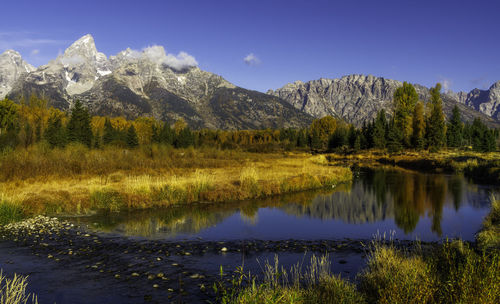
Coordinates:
column 376, row 195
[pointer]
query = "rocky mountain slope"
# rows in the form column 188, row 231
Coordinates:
column 12, row 67
column 357, row 98
column 152, row 83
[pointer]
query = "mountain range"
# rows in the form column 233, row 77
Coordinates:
column 153, row 83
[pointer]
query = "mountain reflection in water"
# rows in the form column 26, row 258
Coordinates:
column 376, row 200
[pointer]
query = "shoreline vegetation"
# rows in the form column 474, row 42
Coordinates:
column 452, row 272
column 78, row 180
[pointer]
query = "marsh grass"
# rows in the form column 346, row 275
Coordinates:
column 13, row 291
column 10, row 212
column 314, row 284
column 393, row 276
column 488, row 237
column 79, row 180
column 464, row 275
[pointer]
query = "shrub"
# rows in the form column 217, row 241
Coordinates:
column 392, row 277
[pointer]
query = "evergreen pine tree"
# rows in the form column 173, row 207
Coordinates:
column 78, row 127
column 302, row 138
column 394, row 137
column 184, row 139
column 132, row 140
column 109, row 134
column 55, row 134
column 155, row 137
column 379, row 130
column 167, row 134
column 454, row 133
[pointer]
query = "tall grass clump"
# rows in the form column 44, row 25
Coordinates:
column 13, row 291
column 392, row 276
column 249, row 179
column 315, row 284
column 466, row 276
column 10, row 212
column 108, row 200
column 489, row 236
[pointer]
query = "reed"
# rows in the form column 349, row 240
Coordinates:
column 13, row 291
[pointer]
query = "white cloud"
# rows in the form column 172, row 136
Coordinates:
column 35, row 52
column 13, row 40
column 157, row 53
column 446, row 83
column 251, row 59
column 73, row 60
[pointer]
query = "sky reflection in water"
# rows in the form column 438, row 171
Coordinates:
column 414, row 205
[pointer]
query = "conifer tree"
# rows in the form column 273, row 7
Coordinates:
column 418, row 137
column 302, row 138
column 167, row 134
column 132, row 140
column 55, row 134
column 394, row 137
column 109, row 134
column 436, row 129
column 380, row 130
column 78, row 127
column 184, row 139
column 454, row 132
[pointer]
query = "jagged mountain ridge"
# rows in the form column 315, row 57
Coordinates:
column 152, row 83
column 358, row 98
column 12, row 67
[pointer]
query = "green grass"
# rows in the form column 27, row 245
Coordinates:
column 393, row 276
column 13, row 291
column 454, row 272
column 464, row 275
column 489, row 236
column 278, row 285
column 10, row 212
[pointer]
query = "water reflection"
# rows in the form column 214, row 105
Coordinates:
column 376, row 198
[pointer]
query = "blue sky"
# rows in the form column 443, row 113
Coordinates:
column 453, row 42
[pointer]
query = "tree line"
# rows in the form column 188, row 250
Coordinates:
column 413, row 125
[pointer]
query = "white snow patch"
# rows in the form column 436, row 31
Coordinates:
column 103, row 73
column 181, row 79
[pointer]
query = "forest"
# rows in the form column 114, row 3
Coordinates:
column 415, row 125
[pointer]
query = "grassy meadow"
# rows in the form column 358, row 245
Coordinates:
column 78, row 180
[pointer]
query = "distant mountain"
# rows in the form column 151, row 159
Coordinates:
column 485, row 101
column 357, row 98
column 12, row 67
column 151, row 83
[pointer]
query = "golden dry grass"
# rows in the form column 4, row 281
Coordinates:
column 170, row 177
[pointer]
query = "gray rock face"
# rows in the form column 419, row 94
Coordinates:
column 152, row 83
column 485, row 101
column 12, row 67
column 358, row 98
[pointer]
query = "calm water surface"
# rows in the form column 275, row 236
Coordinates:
column 429, row 207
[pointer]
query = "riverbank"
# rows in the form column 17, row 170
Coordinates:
column 453, row 272
column 481, row 167
column 77, row 180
